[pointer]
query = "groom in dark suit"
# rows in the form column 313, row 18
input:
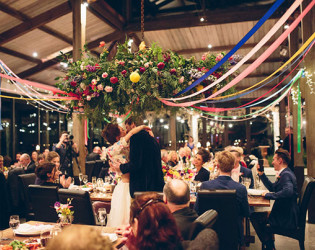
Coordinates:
column 145, row 162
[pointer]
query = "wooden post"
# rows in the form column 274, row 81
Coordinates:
column 308, row 28
column 78, row 43
column 173, row 131
column 204, row 132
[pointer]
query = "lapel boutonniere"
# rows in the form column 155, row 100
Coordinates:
column 278, row 178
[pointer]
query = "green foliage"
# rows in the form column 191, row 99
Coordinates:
column 104, row 88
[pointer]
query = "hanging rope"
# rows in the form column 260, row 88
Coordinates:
column 142, row 20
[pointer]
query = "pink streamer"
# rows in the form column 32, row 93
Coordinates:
column 253, row 66
column 85, row 132
column 278, row 25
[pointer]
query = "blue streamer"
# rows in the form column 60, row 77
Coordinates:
column 250, row 91
column 273, row 8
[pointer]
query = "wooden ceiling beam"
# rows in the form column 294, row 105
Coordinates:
column 42, row 66
column 19, row 55
column 25, row 18
column 35, row 22
column 107, row 14
column 215, row 17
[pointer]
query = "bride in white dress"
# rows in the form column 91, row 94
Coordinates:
column 119, row 153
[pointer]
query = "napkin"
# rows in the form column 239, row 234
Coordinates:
column 257, row 192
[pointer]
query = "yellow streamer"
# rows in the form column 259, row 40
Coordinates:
column 291, row 59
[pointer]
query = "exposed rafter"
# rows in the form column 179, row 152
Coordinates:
column 19, row 55
column 35, row 22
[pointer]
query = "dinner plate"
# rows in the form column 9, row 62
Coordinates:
column 112, row 237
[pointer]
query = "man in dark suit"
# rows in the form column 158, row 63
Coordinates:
column 239, row 171
column 177, row 198
column 95, row 155
column 225, row 163
column 145, row 162
column 284, row 213
column 26, row 164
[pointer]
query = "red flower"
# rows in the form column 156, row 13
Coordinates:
column 73, row 83
column 97, row 66
column 113, row 80
column 161, row 65
column 173, row 71
column 142, row 69
column 124, row 72
column 102, row 44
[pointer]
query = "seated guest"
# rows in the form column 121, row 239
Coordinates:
column 41, row 159
column 172, row 158
column 48, row 173
column 182, row 155
column 26, row 164
column 284, row 213
column 239, row 171
column 17, row 159
column 45, row 153
column 1, row 164
column 201, row 158
column 225, row 163
column 79, row 237
column 95, row 155
column 164, row 157
column 152, row 225
column 34, row 158
column 177, row 198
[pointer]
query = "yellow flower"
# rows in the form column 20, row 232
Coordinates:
column 134, row 77
column 142, row 46
column 199, row 87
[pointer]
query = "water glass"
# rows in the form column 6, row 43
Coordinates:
column 80, row 178
column 94, row 182
column 85, row 179
column 55, row 231
column 102, row 216
column 45, row 236
column 246, row 182
column 14, row 223
column 100, row 182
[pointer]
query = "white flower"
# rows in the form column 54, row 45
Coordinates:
column 88, row 98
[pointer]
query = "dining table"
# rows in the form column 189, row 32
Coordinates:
column 8, row 235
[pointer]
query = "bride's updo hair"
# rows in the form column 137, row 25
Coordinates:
column 110, row 132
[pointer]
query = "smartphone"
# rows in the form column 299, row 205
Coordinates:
column 261, row 165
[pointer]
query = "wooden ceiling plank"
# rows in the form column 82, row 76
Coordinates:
column 116, row 35
column 230, row 15
column 56, row 34
column 19, row 55
column 35, row 22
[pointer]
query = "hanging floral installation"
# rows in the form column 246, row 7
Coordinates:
column 134, row 82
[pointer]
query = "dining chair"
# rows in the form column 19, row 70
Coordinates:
column 206, row 220
column 303, row 202
column 82, row 206
column 99, row 164
column 89, row 167
column 42, row 200
column 24, row 181
column 225, row 204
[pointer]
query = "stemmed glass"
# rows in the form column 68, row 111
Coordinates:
column 85, row 179
column 102, row 216
column 80, row 178
column 14, row 223
column 94, row 181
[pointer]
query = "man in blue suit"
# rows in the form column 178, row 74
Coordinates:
column 225, row 163
column 239, row 171
column 284, row 213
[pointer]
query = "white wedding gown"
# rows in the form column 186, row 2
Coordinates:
column 120, row 205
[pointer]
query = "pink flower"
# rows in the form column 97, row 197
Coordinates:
column 161, row 65
column 142, row 69
column 81, row 109
column 102, row 44
column 88, row 98
column 100, row 87
column 219, row 57
column 122, row 63
column 81, row 104
column 173, row 71
column 94, row 82
column 181, row 80
column 108, row 89
column 113, row 80
column 203, row 57
column 104, row 75
column 147, row 65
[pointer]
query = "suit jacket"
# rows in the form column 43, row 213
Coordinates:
column 203, row 175
column 226, row 183
column 30, row 168
column 145, row 164
column 246, row 172
column 92, row 157
column 285, row 210
column 184, row 218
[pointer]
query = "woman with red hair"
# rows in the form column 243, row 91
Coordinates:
column 152, row 224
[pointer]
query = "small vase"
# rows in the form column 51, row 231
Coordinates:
column 65, row 220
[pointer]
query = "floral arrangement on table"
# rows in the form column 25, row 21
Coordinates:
column 133, row 81
column 184, row 174
column 64, row 211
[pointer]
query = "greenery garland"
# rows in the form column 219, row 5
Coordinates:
column 134, row 81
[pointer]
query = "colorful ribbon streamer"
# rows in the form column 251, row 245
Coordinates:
column 273, row 8
column 299, row 117
column 258, row 46
column 257, row 62
column 1, row 128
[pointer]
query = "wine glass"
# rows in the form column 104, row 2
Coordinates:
column 102, row 216
column 80, row 178
column 85, row 179
column 94, row 181
column 14, row 223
